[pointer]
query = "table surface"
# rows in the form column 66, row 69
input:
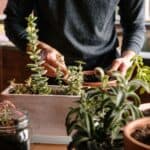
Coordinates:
column 48, row 147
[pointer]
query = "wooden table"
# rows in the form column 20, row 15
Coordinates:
column 48, row 147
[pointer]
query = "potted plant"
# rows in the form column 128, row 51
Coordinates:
column 137, row 134
column 39, row 98
column 139, row 71
column 97, row 122
column 96, row 77
column 14, row 128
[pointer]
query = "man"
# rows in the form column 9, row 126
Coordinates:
column 79, row 30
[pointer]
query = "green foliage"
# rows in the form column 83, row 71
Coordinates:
column 37, row 82
column 99, row 72
column 75, row 80
column 7, row 111
column 138, row 70
column 101, row 113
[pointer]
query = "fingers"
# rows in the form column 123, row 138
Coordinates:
column 53, row 60
column 121, row 65
column 57, row 62
column 115, row 65
column 123, row 69
column 51, row 71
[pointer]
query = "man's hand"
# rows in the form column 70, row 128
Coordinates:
column 53, row 60
column 123, row 63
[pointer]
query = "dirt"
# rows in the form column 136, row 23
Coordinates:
column 142, row 135
column 146, row 113
column 91, row 78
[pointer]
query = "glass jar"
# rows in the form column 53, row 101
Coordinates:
column 16, row 137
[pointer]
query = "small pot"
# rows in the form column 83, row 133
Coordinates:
column 93, row 80
column 16, row 137
column 131, row 143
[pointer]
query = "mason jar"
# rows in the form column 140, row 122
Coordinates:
column 16, row 137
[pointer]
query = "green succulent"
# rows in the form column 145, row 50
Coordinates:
column 97, row 121
column 138, row 71
column 37, row 82
column 75, row 80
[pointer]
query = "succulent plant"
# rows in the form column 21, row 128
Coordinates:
column 8, row 114
column 97, row 121
column 138, row 70
column 75, row 80
column 37, row 82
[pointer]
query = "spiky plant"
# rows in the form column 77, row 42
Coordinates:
column 97, row 121
column 37, row 82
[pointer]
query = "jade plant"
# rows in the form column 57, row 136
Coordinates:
column 97, row 121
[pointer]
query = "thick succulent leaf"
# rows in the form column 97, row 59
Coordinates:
column 71, row 114
column 134, row 98
column 120, row 98
column 140, row 83
column 80, row 139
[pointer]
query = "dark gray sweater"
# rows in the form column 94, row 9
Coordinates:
column 79, row 29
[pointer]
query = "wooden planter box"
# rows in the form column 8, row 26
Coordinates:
column 47, row 115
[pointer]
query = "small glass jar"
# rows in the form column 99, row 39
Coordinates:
column 16, row 137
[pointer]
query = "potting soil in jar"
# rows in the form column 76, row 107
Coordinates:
column 15, row 137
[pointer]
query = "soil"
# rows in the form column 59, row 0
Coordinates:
column 146, row 113
column 91, row 78
column 142, row 135
column 14, row 141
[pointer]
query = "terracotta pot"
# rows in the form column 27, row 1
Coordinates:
column 97, row 83
column 131, row 143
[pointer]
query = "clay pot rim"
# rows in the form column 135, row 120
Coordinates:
column 89, row 72
column 132, row 126
column 96, row 84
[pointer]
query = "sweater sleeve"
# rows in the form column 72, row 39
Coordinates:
column 15, row 23
column 132, row 21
